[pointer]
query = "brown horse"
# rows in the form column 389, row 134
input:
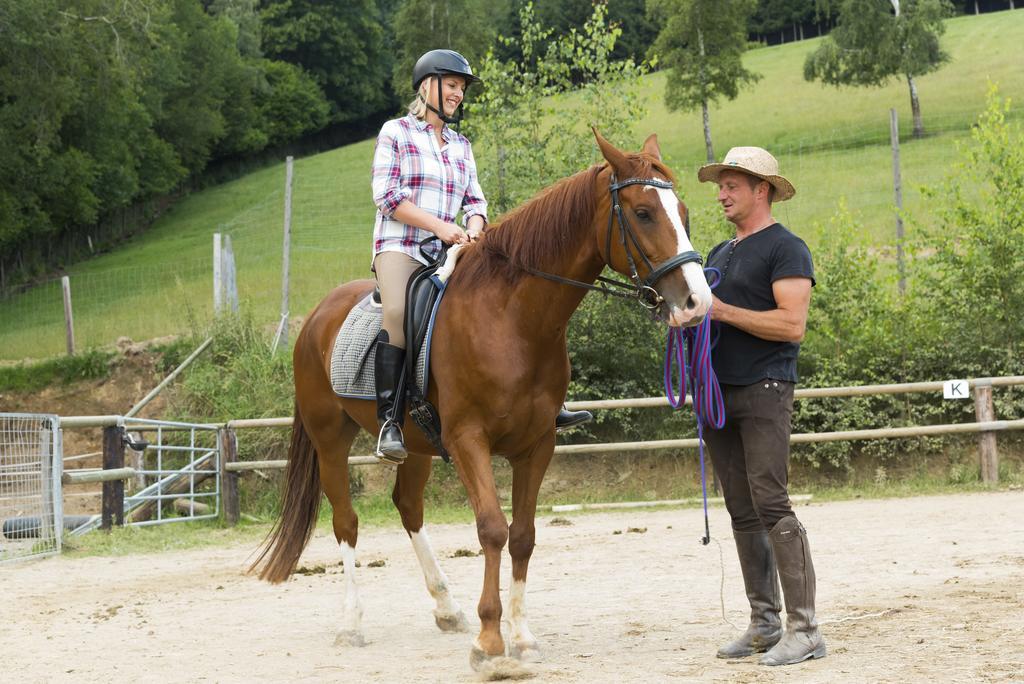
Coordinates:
column 499, row 372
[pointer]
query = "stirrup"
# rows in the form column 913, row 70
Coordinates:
column 386, row 458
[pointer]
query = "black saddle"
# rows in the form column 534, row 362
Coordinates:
column 421, row 295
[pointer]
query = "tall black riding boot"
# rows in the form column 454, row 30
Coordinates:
column 388, row 368
column 761, row 580
column 802, row 640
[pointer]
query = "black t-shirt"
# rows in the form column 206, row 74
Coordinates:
column 749, row 267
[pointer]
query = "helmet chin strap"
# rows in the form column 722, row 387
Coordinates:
column 457, row 119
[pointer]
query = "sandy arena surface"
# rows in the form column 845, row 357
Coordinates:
column 937, row 582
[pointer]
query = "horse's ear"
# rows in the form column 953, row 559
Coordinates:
column 612, row 154
column 651, row 146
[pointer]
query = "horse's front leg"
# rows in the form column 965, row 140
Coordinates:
column 472, row 457
column 527, row 474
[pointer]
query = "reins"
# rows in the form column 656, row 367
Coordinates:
column 690, row 348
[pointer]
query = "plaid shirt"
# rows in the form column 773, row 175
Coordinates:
column 408, row 165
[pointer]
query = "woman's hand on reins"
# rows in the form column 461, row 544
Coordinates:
column 451, row 233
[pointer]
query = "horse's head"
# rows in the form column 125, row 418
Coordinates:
column 647, row 236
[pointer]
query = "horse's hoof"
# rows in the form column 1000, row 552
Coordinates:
column 350, row 637
column 526, row 653
column 451, row 622
column 493, row 668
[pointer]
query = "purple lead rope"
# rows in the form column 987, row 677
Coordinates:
column 690, row 349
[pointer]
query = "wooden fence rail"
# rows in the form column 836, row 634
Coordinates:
column 986, row 427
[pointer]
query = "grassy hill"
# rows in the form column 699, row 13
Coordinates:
column 831, row 143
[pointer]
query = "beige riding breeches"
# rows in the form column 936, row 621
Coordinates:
column 393, row 271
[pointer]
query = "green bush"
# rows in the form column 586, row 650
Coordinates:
column 962, row 315
column 237, row 377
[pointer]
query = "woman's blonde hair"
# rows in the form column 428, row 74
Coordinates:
column 418, row 106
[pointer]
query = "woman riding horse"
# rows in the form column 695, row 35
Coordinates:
column 499, row 369
column 424, row 174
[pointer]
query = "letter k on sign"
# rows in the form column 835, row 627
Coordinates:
column 956, row 389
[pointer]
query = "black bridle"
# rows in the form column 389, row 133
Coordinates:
column 641, row 290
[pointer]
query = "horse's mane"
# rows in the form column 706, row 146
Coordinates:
column 533, row 234
column 540, row 231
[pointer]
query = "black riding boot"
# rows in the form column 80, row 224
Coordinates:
column 761, row 580
column 802, row 640
column 388, row 377
column 567, row 420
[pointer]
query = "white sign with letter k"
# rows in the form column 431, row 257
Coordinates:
column 956, row 389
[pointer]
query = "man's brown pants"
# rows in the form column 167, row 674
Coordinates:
column 751, row 453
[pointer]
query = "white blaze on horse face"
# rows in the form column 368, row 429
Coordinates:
column 693, row 273
column 352, row 609
column 447, row 614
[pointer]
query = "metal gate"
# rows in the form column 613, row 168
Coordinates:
column 176, row 464
column 175, row 472
column 30, row 488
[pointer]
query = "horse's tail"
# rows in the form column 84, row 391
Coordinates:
column 300, row 507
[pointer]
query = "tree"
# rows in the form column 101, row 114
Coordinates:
column 244, row 14
column 291, row 104
column 788, row 19
column 875, row 40
column 636, row 30
column 340, row 43
column 702, row 45
column 465, row 26
column 529, row 121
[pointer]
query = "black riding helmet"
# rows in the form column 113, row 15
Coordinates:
column 437, row 63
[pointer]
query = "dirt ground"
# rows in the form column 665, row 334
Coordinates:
column 920, row 589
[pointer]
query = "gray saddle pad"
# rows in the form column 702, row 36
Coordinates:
column 354, row 352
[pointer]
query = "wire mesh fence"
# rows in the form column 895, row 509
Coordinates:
column 30, row 501
column 332, row 219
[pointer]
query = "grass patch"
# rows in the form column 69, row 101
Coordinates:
column 31, row 377
column 129, row 540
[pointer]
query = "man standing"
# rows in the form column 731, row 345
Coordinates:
column 761, row 304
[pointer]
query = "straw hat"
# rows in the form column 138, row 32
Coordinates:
column 755, row 161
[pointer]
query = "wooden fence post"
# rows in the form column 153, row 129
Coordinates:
column 113, row 491
column 69, row 323
column 229, row 479
column 984, row 412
